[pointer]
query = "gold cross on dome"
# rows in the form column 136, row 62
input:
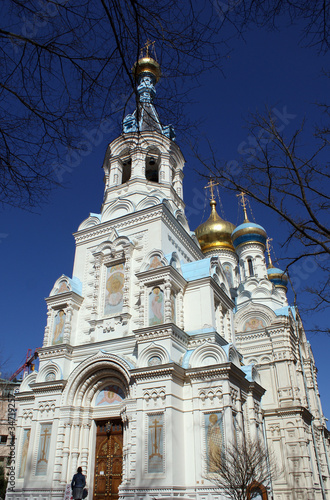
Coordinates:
column 211, row 185
column 268, row 248
column 146, row 47
column 243, row 201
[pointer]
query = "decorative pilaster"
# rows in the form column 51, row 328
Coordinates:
column 126, row 287
column 228, row 327
column 115, row 172
column 66, row 451
column 47, row 338
column 227, row 411
column 138, row 163
column 165, row 169
column 167, row 302
column 142, row 305
column 68, row 324
column 85, row 446
column 177, row 181
column 97, row 266
column 125, row 472
column 180, row 315
column 58, row 463
column 251, row 417
column 75, row 452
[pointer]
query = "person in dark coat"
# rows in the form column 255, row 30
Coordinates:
column 78, row 483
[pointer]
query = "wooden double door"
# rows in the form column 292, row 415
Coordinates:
column 108, row 459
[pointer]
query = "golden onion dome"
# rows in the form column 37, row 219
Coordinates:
column 215, row 233
column 146, row 65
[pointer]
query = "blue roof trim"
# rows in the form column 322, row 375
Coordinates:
column 196, row 270
column 186, row 358
column 248, row 372
column 245, row 238
column 200, row 330
column 226, row 349
column 76, row 285
column 275, row 270
column 284, row 311
column 245, row 225
column 98, row 216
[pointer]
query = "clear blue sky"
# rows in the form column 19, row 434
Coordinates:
column 36, row 248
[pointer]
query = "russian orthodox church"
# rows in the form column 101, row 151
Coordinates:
column 166, row 345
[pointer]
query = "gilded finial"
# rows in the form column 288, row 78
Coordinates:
column 270, row 263
column 211, row 185
column 147, row 45
column 243, row 201
column 147, row 63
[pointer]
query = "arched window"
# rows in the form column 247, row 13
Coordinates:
column 125, row 165
column 250, row 266
column 127, row 170
column 152, row 165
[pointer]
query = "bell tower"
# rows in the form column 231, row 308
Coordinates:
column 141, row 166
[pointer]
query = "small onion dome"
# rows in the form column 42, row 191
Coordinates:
column 215, row 233
column 248, row 232
column 278, row 277
column 146, row 65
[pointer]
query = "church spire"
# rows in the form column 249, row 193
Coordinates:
column 146, row 72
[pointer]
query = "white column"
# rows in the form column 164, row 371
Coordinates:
column 75, row 448
column 85, row 446
column 66, row 451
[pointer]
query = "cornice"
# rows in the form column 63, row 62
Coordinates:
column 50, row 386
column 58, row 350
column 167, row 330
column 289, row 411
column 65, row 297
column 135, row 218
column 24, row 396
column 161, row 273
column 171, row 370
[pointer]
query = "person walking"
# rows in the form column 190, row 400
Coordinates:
column 78, row 484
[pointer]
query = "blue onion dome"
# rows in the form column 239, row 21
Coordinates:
column 215, row 233
column 249, row 232
column 277, row 276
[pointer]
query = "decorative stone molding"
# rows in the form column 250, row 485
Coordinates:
column 156, row 351
column 157, row 396
column 94, row 367
column 161, row 332
column 213, row 395
column 47, row 408
column 208, row 355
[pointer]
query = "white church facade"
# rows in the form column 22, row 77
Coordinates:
column 165, row 345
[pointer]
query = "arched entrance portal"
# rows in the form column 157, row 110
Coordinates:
column 108, row 459
column 97, row 432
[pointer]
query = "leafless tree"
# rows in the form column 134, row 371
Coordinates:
column 290, row 174
column 66, row 68
column 313, row 14
column 66, row 71
column 242, row 471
